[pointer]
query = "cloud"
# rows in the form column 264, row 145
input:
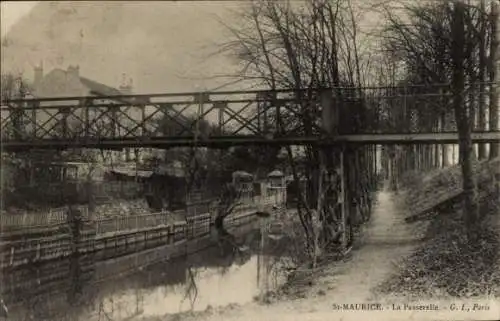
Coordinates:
column 12, row 11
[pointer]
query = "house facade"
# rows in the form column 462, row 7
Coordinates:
column 70, row 83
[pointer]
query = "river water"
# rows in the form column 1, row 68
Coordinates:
column 218, row 274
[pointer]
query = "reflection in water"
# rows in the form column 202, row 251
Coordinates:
column 80, row 289
column 191, row 291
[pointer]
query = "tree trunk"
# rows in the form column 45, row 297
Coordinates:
column 423, row 152
column 429, row 156
column 462, row 119
column 482, row 88
column 437, row 156
column 219, row 222
column 425, row 155
column 472, row 106
column 444, row 147
column 493, row 75
column 416, row 159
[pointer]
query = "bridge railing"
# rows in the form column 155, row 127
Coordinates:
column 145, row 119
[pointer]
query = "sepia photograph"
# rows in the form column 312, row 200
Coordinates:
column 250, row 160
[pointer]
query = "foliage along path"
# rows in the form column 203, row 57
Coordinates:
column 383, row 243
column 442, row 185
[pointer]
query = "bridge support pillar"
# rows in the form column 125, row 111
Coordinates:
column 334, row 176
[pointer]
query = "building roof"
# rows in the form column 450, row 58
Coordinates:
column 94, row 87
column 241, row 174
column 99, row 89
column 276, row 173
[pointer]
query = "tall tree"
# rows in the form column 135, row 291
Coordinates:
column 494, row 63
column 463, row 114
column 441, row 45
column 482, row 77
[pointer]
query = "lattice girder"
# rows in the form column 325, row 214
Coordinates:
column 225, row 117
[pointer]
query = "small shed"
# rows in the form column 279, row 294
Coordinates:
column 276, row 179
column 243, row 181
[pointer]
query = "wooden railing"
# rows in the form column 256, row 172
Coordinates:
column 135, row 222
column 108, row 232
column 52, row 217
column 115, row 222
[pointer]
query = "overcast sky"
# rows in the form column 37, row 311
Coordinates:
column 12, row 11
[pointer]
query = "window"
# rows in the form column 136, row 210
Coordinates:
column 71, row 173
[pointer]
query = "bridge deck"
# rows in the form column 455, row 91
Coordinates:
column 226, row 141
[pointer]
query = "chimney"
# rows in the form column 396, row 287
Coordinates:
column 74, row 71
column 126, row 87
column 38, row 76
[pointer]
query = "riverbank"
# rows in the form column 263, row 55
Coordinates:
column 375, row 256
column 193, row 274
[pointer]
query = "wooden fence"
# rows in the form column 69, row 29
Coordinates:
column 55, row 279
column 115, row 221
column 135, row 222
column 26, row 220
column 113, row 237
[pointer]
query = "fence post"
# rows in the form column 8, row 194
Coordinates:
column 50, row 214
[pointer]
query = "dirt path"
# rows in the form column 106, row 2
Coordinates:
column 386, row 239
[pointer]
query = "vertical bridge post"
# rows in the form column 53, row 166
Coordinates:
column 84, row 103
column 17, row 120
column 266, row 100
column 201, row 99
column 221, row 108
column 64, row 111
column 35, row 106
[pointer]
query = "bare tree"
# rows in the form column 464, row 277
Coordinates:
column 191, row 290
column 227, row 202
column 462, row 115
column 493, row 73
column 440, row 44
column 482, row 77
column 307, row 45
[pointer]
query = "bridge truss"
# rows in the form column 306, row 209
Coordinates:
column 220, row 119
